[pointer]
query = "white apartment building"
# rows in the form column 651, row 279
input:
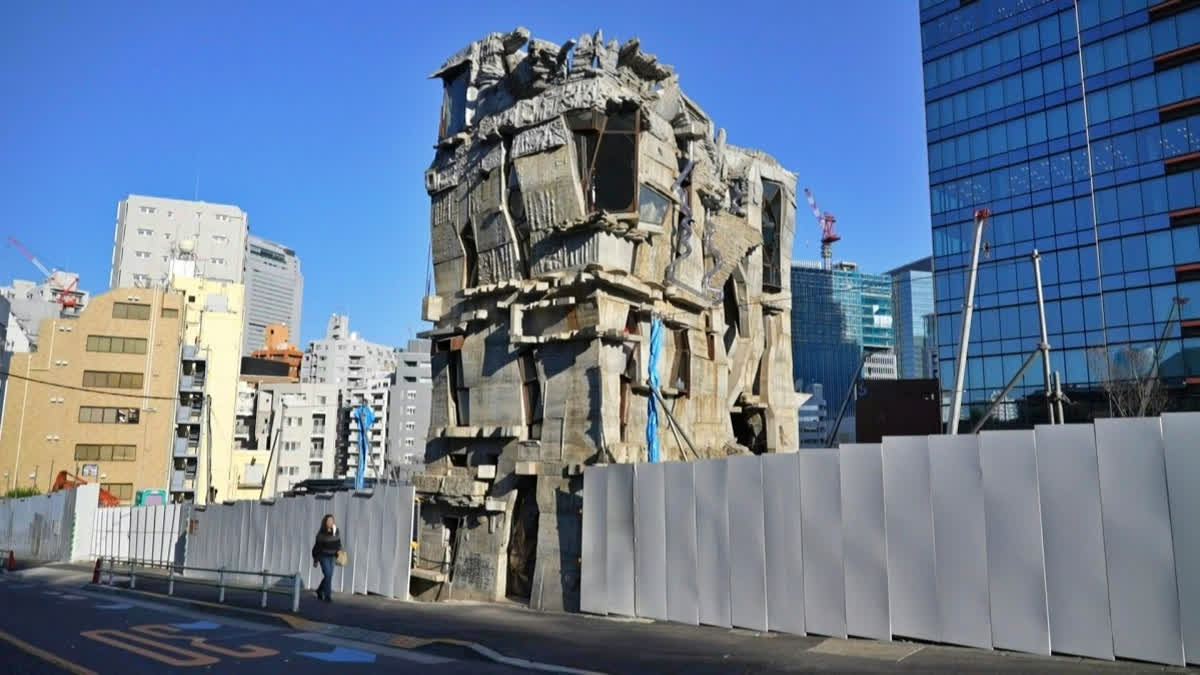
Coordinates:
column 274, row 290
column 298, row 421
column 408, row 419
column 344, row 359
column 149, row 231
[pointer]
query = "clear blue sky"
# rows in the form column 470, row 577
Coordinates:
column 318, row 119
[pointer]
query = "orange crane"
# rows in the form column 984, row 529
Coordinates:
column 65, row 294
column 69, row 481
column 825, row 221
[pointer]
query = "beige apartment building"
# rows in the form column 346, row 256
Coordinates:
column 98, row 396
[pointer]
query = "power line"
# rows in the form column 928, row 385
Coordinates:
column 85, row 389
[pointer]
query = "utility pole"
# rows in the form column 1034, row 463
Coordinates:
column 274, row 444
column 208, row 441
column 960, row 367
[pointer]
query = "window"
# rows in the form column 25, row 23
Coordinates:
column 408, row 442
column 410, row 410
column 105, row 453
column 606, row 146
column 170, row 313
column 410, row 394
column 141, row 279
column 220, row 239
column 217, row 261
column 131, row 310
column 772, row 222
column 681, row 366
column 409, row 426
column 144, row 232
column 96, row 415
column 122, row 491
column 166, row 235
column 147, row 209
column 221, row 217
column 652, row 207
column 116, row 345
column 144, row 255
column 111, row 380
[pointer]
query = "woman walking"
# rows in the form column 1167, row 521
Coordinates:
column 324, row 552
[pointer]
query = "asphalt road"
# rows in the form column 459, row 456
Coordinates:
column 48, row 628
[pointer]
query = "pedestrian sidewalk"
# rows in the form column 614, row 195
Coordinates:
column 512, row 634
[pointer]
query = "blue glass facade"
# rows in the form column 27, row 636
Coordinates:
column 835, row 315
column 1075, row 124
column 912, row 300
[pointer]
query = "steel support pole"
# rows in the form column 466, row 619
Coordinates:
column 1007, row 388
column 960, row 367
column 1058, row 397
column 1045, row 345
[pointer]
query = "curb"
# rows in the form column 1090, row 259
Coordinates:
column 380, row 638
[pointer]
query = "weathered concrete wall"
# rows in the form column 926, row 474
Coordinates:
column 576, row 196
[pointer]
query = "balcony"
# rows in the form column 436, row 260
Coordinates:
column 191, row 383
column 187, row 415
column 318, row 431
column 193, row 353
column 186, row 447
column 241, row 432
column 316, row 454
column 182, row 481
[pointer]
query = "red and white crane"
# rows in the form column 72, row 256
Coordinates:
column 825, row 221
column 65, row 293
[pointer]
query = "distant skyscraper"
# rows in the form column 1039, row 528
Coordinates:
column 912, row 299
column 274, row 290
column 836, row 315
column 1073, row 123
column 344, row 359
column 150, row 229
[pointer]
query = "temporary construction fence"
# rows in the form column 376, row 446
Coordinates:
column 1076, row 539
column 45, row 528
column 148, row 535
column 277, row 536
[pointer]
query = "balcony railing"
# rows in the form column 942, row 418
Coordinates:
column 186, row 447
column 187, row 415
column 191, row 383
column 192, row 353
column 182, row 481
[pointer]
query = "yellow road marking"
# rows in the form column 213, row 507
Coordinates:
column 45, row 655
column 123, row 640
column 165, row 632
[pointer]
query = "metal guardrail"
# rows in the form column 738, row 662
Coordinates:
column 175, row 573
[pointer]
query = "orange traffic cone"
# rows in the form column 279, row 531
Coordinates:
column 12, row 561
column 96, row 571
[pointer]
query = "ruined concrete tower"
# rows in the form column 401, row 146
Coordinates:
column 577, row 194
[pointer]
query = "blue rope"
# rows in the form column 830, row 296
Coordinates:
column 656, row 337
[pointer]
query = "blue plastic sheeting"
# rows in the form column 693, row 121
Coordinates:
column 656, row 330
column 365, row 418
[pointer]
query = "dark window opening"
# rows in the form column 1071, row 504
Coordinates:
column 522, row 540
column 730, row 304
column 454, row 104
column 652, row 205
column 531, row 387
column 470, row 256
column 451, row 536
column 772, row 224
column 681, row 367
column 458, row 393
column 607, row 150
column 515, row 202
column 458, row 459
column 750, row 430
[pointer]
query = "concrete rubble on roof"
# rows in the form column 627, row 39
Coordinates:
column 577, row 193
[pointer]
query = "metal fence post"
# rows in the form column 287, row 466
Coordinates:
column 296, row 592
column 171, row 580
column 111, row 563
column 132, row 576
column 263, row 588
column 221, row 585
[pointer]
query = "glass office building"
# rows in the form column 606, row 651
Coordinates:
column 836, row 314
column 912, row 300
column 1078, row 125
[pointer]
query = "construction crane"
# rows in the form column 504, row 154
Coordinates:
column 825, row 221
column 69, row 481
column 65, row 294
